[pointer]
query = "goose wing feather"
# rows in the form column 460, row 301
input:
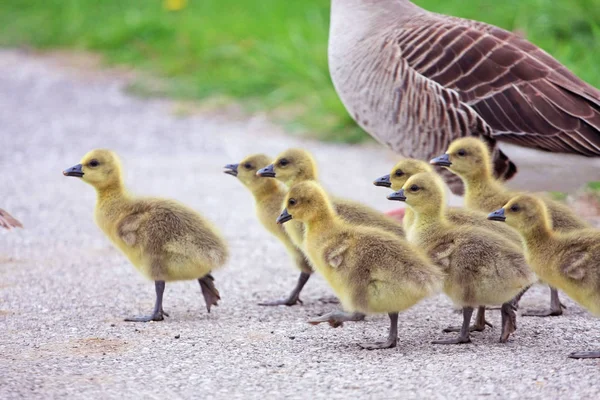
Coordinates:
column 526, row 96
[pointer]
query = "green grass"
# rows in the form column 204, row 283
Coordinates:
column 272, row 54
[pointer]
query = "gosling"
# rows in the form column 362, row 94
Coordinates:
column 469, row 158
column 482, row 267
column 268, row 197
column 164, row 240
column 369, row 269
column 406, row 168
column 297, row 165
column 566, row 260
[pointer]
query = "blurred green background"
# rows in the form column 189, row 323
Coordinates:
column 271, row 54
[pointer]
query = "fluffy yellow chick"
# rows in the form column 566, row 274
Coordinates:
column 406, row 168
column 369, row 269
column 566, row 260
column 268, row 197
column 482, row 268
column 469, row 158
column 163, row 239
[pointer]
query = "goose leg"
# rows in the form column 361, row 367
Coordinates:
column 337, row 318
column 465, row 330
column 556, row 307
column 479, row 326
column 158, row 313
column 209, row 291
column 509, row 320
column 585, row 354
column 294, row 297
column 392, row 339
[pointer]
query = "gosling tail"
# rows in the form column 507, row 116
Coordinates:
column 209, row 291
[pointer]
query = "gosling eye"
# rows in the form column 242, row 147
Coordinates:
column 462, row 152
column 414, row 188
column 94, row 163
column 283, row 162
column 399, row 172
column 515, row 208
column 292, row 202
column 248, row 165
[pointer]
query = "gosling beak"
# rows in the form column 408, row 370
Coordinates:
column 284, row 217
column 75, row 170
column 231, row 169
column 442, row 161
column 497, row 215
column 398, row 196
column 267, row 172
column 384, row 181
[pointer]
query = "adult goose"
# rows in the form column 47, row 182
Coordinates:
column 416, row 80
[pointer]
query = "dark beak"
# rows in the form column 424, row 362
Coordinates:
column 267, row 172
column 75, row 170
column 442, row 161
column 231, row 169
column 284, row 217
column 384, row 181
column 497, row 215
column 398, row 196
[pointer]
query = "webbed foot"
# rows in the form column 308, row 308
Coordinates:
column 337, row 318
column 458, row 340
column 556, row 307
column 585, row 354
column 509, row 321
column 290, row 301
column 209, row 291
column 479, row 326
column 392, row 339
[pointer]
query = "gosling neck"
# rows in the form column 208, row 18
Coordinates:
column 265, row 190
column 478, row 183
column 538, row 236
column 430, row 216
column 324, row 222
column 308, row 174
column 111, row 192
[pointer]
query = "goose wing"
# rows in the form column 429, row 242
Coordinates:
column 526, row 96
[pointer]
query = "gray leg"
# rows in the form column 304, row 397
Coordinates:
column 585, row 354
column 294, row 297
column 509, row 320
column 209, row 291
column 556, row 307
column 392, row 339
column 480, row 323
column 157, row 314
column 337, row 318
column 464, row 336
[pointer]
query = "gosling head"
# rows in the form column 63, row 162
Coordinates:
column 291, row 166
column 466, row 157
column 306, row 201
column 246, row 170
column 401, row 172
column 423, row 192
column 523, row 212
column 100, row 168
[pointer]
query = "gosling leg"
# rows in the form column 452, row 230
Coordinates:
column 337, row 318
column 294, row 297
column 585, row 354
column 158, row 313
column 479, row 326
column 465, row 330
column 209, row 291
column 556, row 307
column 392, row 339
column 509, row 320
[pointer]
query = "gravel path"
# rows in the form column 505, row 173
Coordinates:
column 64, row 290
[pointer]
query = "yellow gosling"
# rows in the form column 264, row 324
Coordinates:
column 163, row 239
